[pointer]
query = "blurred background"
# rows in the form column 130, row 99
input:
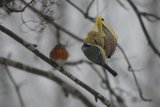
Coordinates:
column 48, row 22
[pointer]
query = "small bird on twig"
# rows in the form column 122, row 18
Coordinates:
column 59, row 54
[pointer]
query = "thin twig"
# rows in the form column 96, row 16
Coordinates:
column 138, row 13
column 85, row 14
column 134, row 75
column 50, row 21
column 17, row 88
column 19, row 10
column 121, row 4
column 71, row 63
column 96, row 94
column 97, row 71
column 106, row 81
column 58, row 36
column 89, row 6
column 150, row 17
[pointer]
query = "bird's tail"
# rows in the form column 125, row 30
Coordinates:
column 110, row 70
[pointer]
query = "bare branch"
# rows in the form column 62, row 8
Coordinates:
column 77, row 62
column 134, row 75
column 85, row 14
column 50, row 21
column 89, row 6
column 49, row 76
column 17, row 88
column 96, row 94
column 19, row 10
column 138, row 13
column 106, row 81
column 150, row 17
column 97, row 71
column 5, row 2
column 121, row 4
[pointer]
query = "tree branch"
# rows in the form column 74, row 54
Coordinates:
column 52, row 63
column 49, row 76
column 51, row 21
column 149, row 16
column 85, row 14
column 17, row 88
column 130, row 68
column 89, row 6
column 121, row 4
column 19, row 10
column 138, row 13
column 106, row 81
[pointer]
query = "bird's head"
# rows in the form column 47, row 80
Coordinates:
column 99, row 22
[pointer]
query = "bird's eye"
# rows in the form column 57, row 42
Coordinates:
column 102, row 19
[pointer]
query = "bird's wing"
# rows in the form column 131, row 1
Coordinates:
column 97, row 55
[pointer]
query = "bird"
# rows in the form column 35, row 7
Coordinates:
column 59, row 54
column 97, row 55
column 100, row 44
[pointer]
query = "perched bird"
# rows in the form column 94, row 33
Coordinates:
column 97, row 55
column 100, row 44
column 59, row 54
